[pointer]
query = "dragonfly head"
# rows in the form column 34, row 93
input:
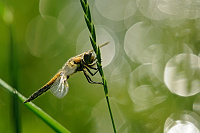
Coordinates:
column 88, row 58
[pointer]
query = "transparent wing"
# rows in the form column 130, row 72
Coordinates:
column 60, row 87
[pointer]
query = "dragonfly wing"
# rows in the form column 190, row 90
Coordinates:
column 60, row 87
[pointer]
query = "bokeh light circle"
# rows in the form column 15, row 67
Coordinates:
column 119, row 72
column 159, row 66
column 153, row 9
column 101, row 117
column 182, row 74
column 47, row 7
column 142, row 46
column 144, row 89
column 183, row 122
column 107, row 52
column 43, row 36
column 74, row 24
column 150, row 9
column 184, row 8
column 170, row 21
column 116, row 9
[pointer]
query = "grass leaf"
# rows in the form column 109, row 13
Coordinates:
column 57, row 127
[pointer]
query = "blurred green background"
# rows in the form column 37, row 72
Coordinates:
column 152, row 64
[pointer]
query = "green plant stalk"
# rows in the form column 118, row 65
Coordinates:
column 57, row 127
column 13, row 73
column 96, row 48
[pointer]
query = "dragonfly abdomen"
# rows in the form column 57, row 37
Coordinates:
column 43, row 89
column 37, row 93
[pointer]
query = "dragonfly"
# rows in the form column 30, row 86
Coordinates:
column 58, row 85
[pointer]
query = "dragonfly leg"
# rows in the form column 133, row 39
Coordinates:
column 90, row 71
column 92, row 68
column 89, row 79
column 91, row 65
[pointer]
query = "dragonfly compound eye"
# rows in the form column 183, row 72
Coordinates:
column 88, row 58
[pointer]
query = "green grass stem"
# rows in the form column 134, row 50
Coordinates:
column 91, row 28
column 13, row 75
column 57, row 127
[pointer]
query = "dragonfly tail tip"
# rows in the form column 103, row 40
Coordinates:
column 26, row 101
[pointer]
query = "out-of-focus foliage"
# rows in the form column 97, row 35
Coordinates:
column 152, row 63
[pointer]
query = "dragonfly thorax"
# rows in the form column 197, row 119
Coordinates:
column 69, row 67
